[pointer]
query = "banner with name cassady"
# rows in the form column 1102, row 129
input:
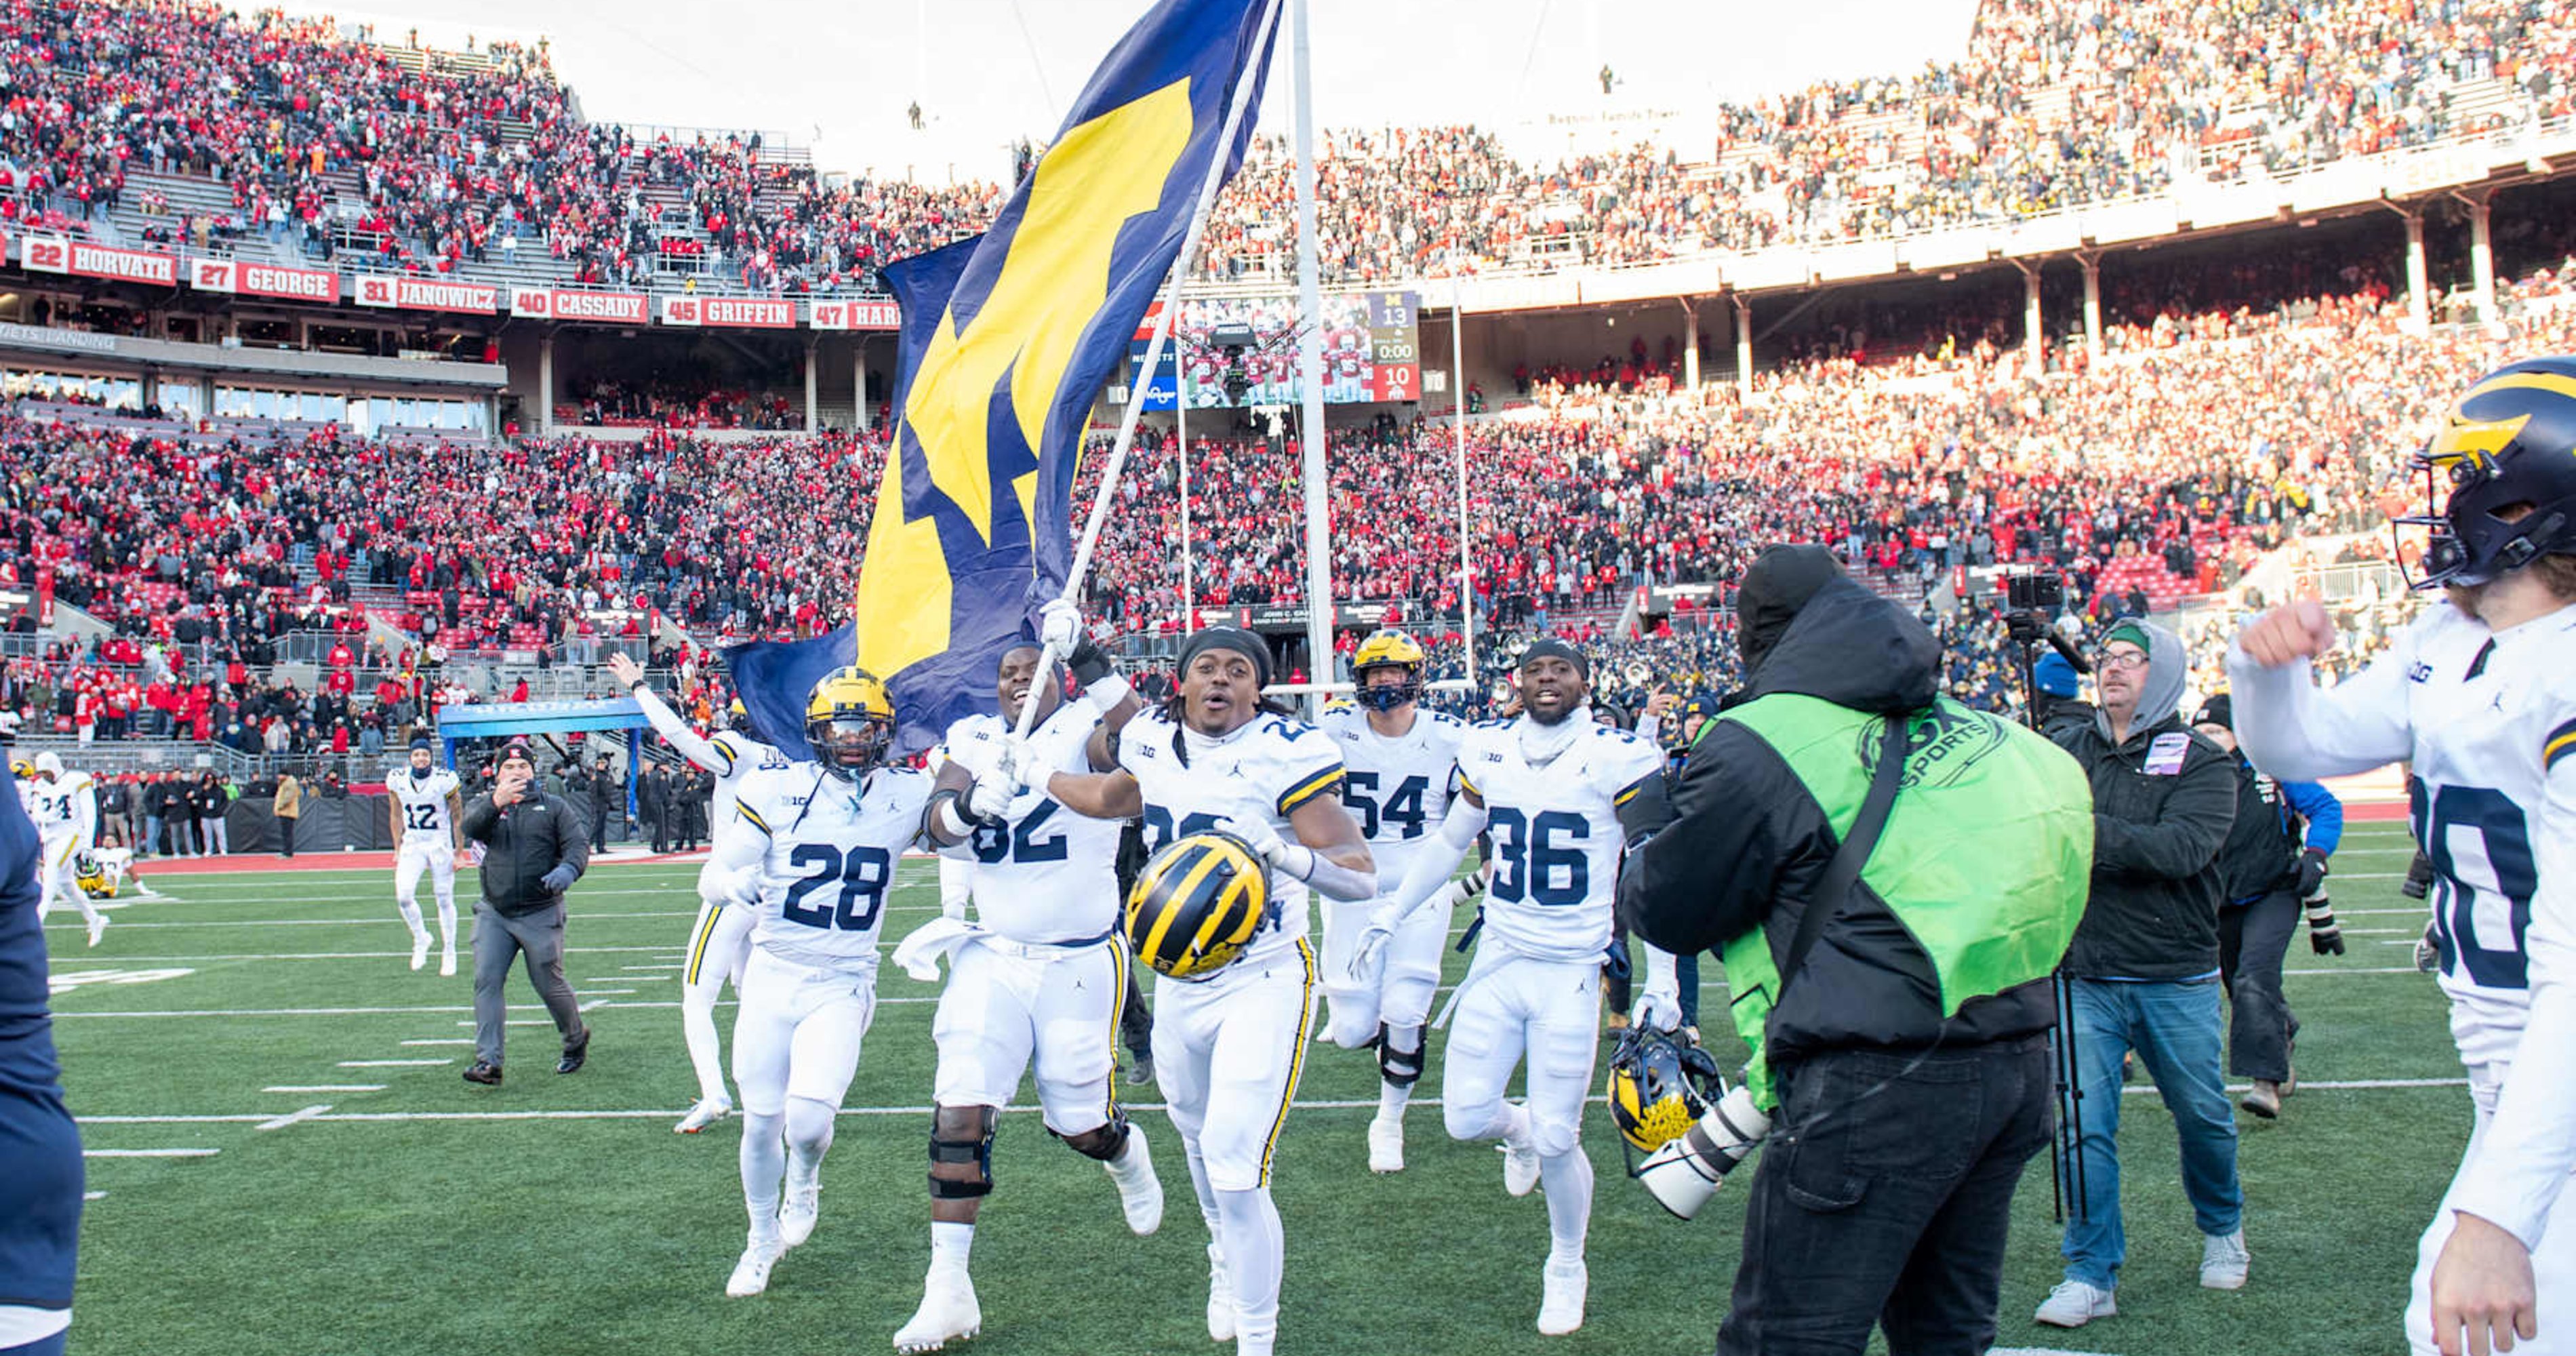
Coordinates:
column 1009, row 335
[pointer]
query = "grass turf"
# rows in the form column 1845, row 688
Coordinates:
column 587, row 1232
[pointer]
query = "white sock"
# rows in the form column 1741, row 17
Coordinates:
column 1515, row 1126
column 1391, row 1097
column 698, row 1029
column 1567, row 1179
column 1254, row 1249
column 410, row 911
column 447, row 921
column 764, row 1166
column 949, row 1245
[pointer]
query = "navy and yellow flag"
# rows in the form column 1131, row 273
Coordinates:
column 1008, row 336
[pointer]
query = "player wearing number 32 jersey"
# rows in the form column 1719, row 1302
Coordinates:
column 2476, row 694
column 817, row 867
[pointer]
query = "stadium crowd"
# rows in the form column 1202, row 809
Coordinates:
column 436, row 161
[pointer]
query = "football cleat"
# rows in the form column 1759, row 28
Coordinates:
column 447, row 963
column 1220, row 1313
column 1386, row 1143
column 1520, row 1167
column 419, row 949
column 1140, row 1192
column 948, row 1313
column 796, row 1217
column 97, row 929
column 751, row 1274
column 708, row 1111
column 1560, row 1306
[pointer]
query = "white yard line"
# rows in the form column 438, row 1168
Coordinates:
column 393, row 1063
column 444, row 1040
column 294, row 1117
column 325, row 1087
column 149, row 1153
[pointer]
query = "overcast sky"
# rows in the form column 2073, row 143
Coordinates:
column 839, row 76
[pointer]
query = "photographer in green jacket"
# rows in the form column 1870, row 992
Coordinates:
column 1895, row 997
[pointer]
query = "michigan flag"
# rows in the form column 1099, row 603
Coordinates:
column 1008, row 336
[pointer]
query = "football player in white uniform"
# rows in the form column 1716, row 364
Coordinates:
column 2476, row 693
column 1228, row 1048
column 1040, row 974
column 721, row 936
column 818, row 864
column 424, row 803
column 65, row 808
column 1549, row 785
column 1400, row 761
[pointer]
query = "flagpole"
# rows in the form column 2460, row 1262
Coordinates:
column 1310, row 367
column 1181, row 430
column 1458, row 408
column 1073, row 579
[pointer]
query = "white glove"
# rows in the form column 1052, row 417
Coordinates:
column 1658, row 1009
column 1257, row 834
column 991, row 797
column 1368, row 955
column 1059, row 626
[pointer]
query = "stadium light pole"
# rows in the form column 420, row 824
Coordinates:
column 1310, row 368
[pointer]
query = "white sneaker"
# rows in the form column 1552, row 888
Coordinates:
column 447, row 964
column 948, row 1313
column 1220, row 1298
column 1140, row 1192
column 97, row 929
column 708, row 1111
column 419, row 949
column 2073, row 1304
column 797, row 1214
column 751, row 1274
column 1386, row 1143
column 1520, row 1167
column 2224, row 1261
column 1560, row 1306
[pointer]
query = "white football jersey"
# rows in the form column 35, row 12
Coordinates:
column 1263, row 771
column 826, row 867
column 1398, row 789
column 1048, row 875
column 56, row 805
column 1554, row 824
column 424, row 803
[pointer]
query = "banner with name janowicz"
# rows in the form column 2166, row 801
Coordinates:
column 80, row 258
column 402, row 292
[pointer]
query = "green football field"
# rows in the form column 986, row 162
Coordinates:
column 284, row 1160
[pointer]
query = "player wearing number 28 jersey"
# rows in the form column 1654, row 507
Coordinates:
column 817, row 866
column 2476, row 694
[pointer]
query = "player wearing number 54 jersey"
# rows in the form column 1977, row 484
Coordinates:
column 1401, row 761
column 425, row 802
column 817, row 867
column 1550, row 787
column 1228, row 1048
column 2476, row 694
column 1040, row 973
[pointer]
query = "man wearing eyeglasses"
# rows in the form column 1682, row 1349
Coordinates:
column 2143, row 970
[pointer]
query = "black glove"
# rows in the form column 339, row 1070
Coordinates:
column 1089, row 663
column 2419, row 878
column 2325, row 935
column 560, row 879
column 2312, row 872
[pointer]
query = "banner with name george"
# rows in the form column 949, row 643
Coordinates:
column 576, row 304
column 61, row 254
column 263, row 280
column 427, row 294
column 856, row 315
column 764, row 313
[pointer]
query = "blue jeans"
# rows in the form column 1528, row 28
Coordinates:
column 2174, row 1027
column 151, row 836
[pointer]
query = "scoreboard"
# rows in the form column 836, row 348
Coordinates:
column 1372, row 352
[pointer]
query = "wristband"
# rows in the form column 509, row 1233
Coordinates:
column 1107, row 692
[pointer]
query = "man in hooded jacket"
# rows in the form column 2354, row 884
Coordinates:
column 1901, row 1061
column 2143, row 972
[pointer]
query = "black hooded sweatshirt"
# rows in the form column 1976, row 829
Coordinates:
column 1747, row 843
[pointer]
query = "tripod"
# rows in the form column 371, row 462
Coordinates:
column 2066, row 1170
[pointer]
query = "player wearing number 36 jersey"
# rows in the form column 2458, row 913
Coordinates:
column 2476, row 694
column 818, row 866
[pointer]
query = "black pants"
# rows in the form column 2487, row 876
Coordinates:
column 1882, row 1200
column 2252, row 940
column 661, row 835
column 286, row 835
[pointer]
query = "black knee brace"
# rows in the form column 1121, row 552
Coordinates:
column 978, row 1151
column 1403, row 1068
column 1103, row 1142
